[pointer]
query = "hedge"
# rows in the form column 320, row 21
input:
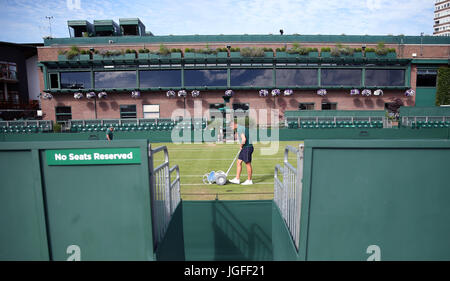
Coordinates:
column 443, row 86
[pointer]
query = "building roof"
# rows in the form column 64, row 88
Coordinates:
column 28, row 49
column 246, row 38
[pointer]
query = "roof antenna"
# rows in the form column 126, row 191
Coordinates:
column 49, row 24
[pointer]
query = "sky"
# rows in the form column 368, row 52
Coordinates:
column 24, row 21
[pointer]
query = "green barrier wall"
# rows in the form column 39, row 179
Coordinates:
column 23, row 235
column 262, row 135
column 220, row 230
column 96, row 211
column 375, row 198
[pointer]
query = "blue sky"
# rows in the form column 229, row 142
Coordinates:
column 24, row 20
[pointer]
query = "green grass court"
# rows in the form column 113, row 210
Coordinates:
column 195, row 160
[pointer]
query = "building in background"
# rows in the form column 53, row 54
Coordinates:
column 441, row 25
column 107, row 70
column 19, row 81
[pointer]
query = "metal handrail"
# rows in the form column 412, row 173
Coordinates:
column 287, row 193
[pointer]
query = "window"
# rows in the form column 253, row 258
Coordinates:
column 426, row 77
column 63, row 113
column 205, row 78
column 8, row 70
column 296, row 77
column 75, row 80
column 306, row 106
column 385, row 77
column 160, row 78
column 54, row 83
column 251, row 77
column 151, row 111
column 115, row 79
column 329, row 106
column 341, row 77
column 241, row 106
column 128, row 111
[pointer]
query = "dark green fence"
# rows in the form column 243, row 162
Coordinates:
column 262, row 135
column 375, row 199
column 61, row 201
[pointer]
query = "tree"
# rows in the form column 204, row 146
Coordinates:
column 443, row 86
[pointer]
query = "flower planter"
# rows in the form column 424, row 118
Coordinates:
column 235, row 54
column 268, row 54
column 131, row 56
column 390, row 55
column 325, row 54
column 189, row 55
column 176, row 55
column 143, row 56
column 76, row 58
column 222, row 54
column 357, row 54
column 97, row 57
column 281, row 54
column 153, row 56
column 313, row 54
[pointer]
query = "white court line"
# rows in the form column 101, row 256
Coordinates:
column 193, row 176
column 231, row 184
column 216, row 159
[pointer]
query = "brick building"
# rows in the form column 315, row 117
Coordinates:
column 118, row 59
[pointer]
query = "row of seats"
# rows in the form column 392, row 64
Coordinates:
column 430, row 124
column 331, row 124
column 134, row 129
column 25, row 129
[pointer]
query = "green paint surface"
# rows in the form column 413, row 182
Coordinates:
column 425, row 96
column 393, row 194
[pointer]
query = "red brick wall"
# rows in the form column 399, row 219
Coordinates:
column 109, row 108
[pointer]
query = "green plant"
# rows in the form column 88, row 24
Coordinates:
column 325, row 49
column 163, row 50
column 443, row 86
column 381, row 49
column 57, row 127
column 342, row 50
column 297, row 49
column 237, row 49
column 252, row 52
column 73, row 52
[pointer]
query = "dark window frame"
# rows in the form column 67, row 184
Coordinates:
column 323, row 75
column 278, row 84
column 159, row 70
column 331, row 105
column 63, row 114
column 307, row 104
column 134, row 86
column 403, row 81
column 210, row 85
column 122, row 113
column 51, row 81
